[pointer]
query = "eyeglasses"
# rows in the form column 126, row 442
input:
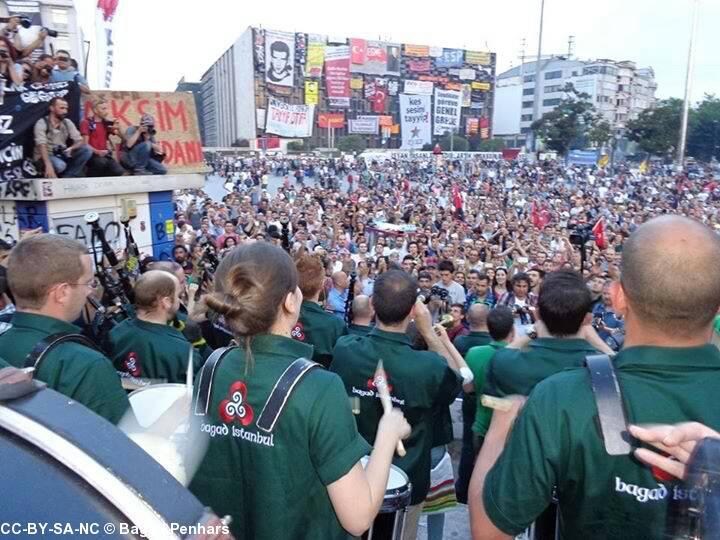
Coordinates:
column 62, row 59
column 93, row 284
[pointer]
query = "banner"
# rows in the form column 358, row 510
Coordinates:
column 385, row 120
column 19, row 112
column 454, row 86
column 419, row 65
column 176, row 123
column 466, row 95
column 337, row 75
column 380, row 59
column 435, row 52
column 259, row 48
column 104, row 40
column 472, row 126
column 480, row 86
column 315, row 56
column 312, row 92
column 301, row 48
column 467, row 74
column 280, row 58
column 417, row 50
column 365, row 125
column 393, row 87
column 450, row 58
column 447, row 111
column 433, row 78
column 415, row 119
column 331, row 120
column 379, row 96
column 424, row 88
column 478, row 58
column 358, row 50
column 356, row 84
column 484, row 128
column 289, row 120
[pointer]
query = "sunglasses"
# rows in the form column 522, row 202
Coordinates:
column 63, row 59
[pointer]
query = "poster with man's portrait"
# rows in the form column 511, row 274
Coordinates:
column 280, row 58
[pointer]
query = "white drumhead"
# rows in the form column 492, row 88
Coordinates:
column 396, row 479
column 151, row 402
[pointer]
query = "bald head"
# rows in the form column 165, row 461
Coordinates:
column 477, row 317
column 154, row 286
column 363, row 312
column 669, row 274
column 340, row 280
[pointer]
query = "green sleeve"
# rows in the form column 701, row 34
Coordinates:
column 449, row 384
column 198, row 360
column 490, row 386
column 335, row 444
column 102, row 392
column 473, row 359
column 3, row 364
column 520, row 485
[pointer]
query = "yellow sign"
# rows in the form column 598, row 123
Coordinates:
column 417, row 50
column 603, row 161
column 169, row 227
column 315, row 59
column 356, row 84
column 481, row 86
column 395, row 129
column 479, row 58
column 644, row 167
column 312, row 92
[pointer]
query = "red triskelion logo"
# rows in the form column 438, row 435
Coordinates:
column 236, row 407
column 298, row 332
column 378, row 379
column 132, row 364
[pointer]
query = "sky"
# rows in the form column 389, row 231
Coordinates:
column 159, row 41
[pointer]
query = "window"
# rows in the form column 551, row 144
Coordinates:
column 551, row 102
column 527, row 104
column 553, row 88
column 529, row 78
column 574, row 73
column 59, row 16
column 525, row 130
column 528, row 91
column 526, row 118
column 553, row 75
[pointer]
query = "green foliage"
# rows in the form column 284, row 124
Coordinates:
column 657, row 130
column 351, row 143
column 704, row 132
column 459, row 144
column 427, row 147
column 491, row 145
column 295, row 146
column 600, row 133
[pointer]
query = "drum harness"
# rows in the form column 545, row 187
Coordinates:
column 278, row 397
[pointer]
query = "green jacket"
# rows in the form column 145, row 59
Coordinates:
column 421, row 385
column 320, row 329
column 517, row 371
column 274, row 485
column 556, row 442
column 154, row 351
column 359, row 330
column 474, row 339
column 478, row 359
column 82, row 374
column 4, row 364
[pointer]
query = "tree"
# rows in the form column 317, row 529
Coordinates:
column 656, row 130
column 351, row 143
column 491, row 145
column 459, row 144
column 295, row 146
column 704, row 130
column 567, row 126
column 600, row 133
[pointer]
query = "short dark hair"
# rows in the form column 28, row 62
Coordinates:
column 500, row 323
column 539, row 270
column 462, row 307
column 280, row 46
column 520, row 276
column 394, row 296
column 446, row 266
column 476, row 272
column 424, row 275
column 180, row 246
column 408, row 258
column 563, row 302
column 55, row 100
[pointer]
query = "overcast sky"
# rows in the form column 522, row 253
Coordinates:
column 159, row 41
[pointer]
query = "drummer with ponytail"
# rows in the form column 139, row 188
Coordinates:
column 301, row 477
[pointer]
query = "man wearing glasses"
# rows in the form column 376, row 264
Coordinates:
column 64, row 71
column 51, row 277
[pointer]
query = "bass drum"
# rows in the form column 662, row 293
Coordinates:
column 390, row 521
column 66, row 466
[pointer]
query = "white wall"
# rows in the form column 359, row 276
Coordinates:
column 244, row 85
column 506, row 115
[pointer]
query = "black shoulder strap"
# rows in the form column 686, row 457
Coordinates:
column 205, row 380
column 281, row 392
column 44, row 346
column 609, row 401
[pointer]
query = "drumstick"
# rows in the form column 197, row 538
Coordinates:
column 382, row 390
column 492, row 402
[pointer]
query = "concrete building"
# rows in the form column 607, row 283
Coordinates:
column 618, row 90
column 195, row 88
column 236, row 90
column 59, row 15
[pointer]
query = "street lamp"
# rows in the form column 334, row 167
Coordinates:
column 688, row 87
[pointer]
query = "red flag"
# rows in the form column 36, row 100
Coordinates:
column 599, row 231
column 108, row 8
column 457, row 198
column 358, row 50
column 535, row 216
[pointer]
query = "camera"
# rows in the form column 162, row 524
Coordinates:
column 436, row 293
column 59, row 151
column 581, row 234
column 51, row 33
column 4, row 54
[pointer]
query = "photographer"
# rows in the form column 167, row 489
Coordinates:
column 43, row 69
column 520, row 300
column 65, row 72
column 96, row 130
column 11, row 33
column 52, row 134
column 141, row 153
column 8, row 72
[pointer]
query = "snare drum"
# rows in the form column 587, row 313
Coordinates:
column 390, row 522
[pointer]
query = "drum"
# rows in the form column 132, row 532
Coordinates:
column 69, row 467
column 390, row 522
column 163, row 413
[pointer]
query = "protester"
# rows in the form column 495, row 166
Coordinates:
column 64, row 71
column 96, row 130
column 141, row 154
column 8, row 74
column 363, row 316
column 59, row 148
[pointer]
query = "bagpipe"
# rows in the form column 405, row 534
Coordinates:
column 350, row 298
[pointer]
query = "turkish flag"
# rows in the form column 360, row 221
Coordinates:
column 378, row 100
column 108, row 8
column 535, row 216
column 358, row 48
column 599, row 231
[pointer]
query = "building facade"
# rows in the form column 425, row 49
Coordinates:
column 270, row 85
column 195, row 88
column 58, row 15
column 618, row 90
